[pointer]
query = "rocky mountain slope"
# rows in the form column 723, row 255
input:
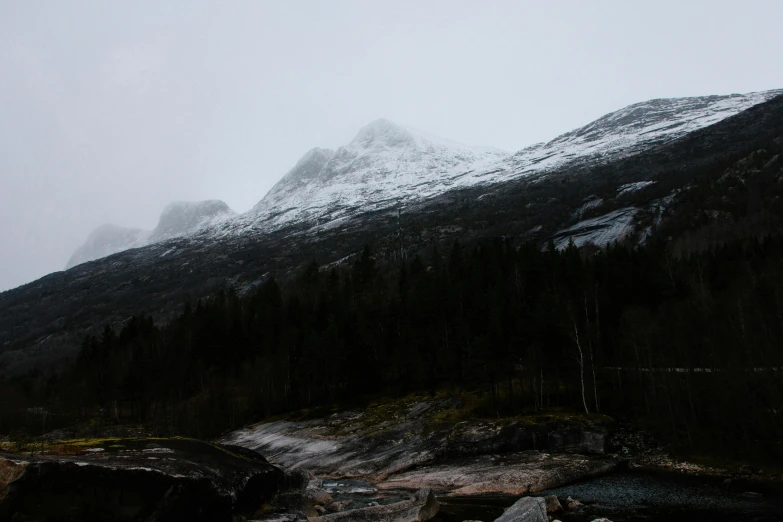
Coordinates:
column 623, row 176
column 177, row 219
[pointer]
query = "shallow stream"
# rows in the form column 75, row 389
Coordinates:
column 624, row 496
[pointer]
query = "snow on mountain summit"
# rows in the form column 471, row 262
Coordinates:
column 384, row 162
column 381, row 133
column 388, row 164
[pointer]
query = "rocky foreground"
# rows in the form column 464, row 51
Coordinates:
column 406, row 453
column 426, row 443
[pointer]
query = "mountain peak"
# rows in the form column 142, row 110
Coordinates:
column 106, row 240
column 387, row 163
column 384, row 132
column 314, row 155
column 182, row 217
column 177, row 219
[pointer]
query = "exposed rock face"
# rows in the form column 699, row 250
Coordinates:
column 401, row 446
column 107, row 240
column 161, row 480
column 356, row 444
column 512, row 474
column 526, row 509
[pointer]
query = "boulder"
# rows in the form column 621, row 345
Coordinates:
column 552, row 504
column 138, row 480
column 422, row 506
column 526, row 509
column 335, row 507
column 318, row 496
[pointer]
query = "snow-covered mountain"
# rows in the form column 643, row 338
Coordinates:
column 387, row 165
column 177, row 219
column 107, row 240
column 383, row 164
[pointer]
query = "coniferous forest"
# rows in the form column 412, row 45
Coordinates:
column 688, row 345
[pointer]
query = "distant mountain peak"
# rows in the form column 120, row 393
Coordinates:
column 106, row 240
column 177, row 219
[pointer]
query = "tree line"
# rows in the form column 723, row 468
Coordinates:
column 687, row 344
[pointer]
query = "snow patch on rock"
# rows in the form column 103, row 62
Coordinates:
column 600, row 231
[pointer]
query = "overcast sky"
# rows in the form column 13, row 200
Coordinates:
column 110, row 110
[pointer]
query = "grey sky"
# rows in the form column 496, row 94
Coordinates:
column 110, row 110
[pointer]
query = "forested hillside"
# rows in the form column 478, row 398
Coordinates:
column 688, row 344
column 678, row 327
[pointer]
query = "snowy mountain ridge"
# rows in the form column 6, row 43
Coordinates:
column 385, row 162
column 388, row 165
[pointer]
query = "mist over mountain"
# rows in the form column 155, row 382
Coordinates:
column 106, row 240
column 177, row 219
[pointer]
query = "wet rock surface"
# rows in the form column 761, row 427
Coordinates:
column 526, row 509
column 137, row 479
column 381, row 444
column 374, row 457
column 513, row 474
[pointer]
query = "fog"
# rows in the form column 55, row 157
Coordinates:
column 111, row 110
